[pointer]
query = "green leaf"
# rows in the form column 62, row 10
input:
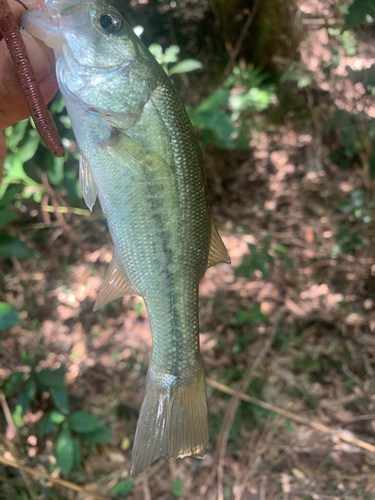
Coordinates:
column 84, row 422
column 77, row 454
column 122, row 487
column 357, row 13
column 15, row 133
column 8, row 316
column 6, row 216
column 61, row 399
column 177, row 487
column 13, row 248
column 171, row 54
column 65, row 450
column 185, row 66
column 8, row 196
column 11, row 384
column 101, row 435
column 30, row 387
column 51, row 378
column 52, row 420
column 27, row 394
column 17, row 416
column 55, row 170
column 215, row 100
column 23, row 403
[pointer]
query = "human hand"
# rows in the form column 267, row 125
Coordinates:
column 13, row 107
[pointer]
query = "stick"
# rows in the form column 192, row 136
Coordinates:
column 239, row 43
column 55, row 480
column 291, row 416
column 233, row 407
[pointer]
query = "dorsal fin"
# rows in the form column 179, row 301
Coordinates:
column 218, row 252
column 116, row 284
column 86, row 179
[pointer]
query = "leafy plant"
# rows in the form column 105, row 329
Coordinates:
column 170, row 55
column 223, row 117
column 70, row 428
column 357, row 13
column 355, row 133
column 8, row 316
column 347, row 241
column 261, row 258
column 123, row 488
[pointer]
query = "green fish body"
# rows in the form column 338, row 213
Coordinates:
column 141, row 157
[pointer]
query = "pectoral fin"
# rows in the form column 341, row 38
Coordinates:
column 135, row 156
column 218, row 252
column 88, row 185
column 116, row 284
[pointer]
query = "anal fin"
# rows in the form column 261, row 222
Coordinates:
column 86, row 179
column 218, row 252
column 115, row 285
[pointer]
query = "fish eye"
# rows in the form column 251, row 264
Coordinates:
column 108, row 22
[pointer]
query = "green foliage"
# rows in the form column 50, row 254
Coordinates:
column 28, row 157
column 346, row 39
column 8, row 316
column 261, row 258
column 70, row 428
column 347, row 241
column 249, row 412
column 214, row 124
column 178, row 487
column 250, row 92
column 65, row 449
column 360, row 206
column 252, row 316
column 295, row 74
column 353, row 133
column 223, row 118
column 170, row 55
column 123, row 488
column 357, row 13
column 10, row 246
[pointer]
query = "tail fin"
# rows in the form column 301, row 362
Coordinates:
column 173, row 421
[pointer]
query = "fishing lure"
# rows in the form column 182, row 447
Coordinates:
column 44, row 124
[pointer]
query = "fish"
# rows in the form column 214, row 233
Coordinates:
column 139, row 154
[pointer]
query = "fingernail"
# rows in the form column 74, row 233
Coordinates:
column 39, row 57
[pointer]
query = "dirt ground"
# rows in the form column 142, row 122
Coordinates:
column 306, row 324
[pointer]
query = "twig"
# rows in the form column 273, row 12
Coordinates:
column 55, row 480
column 291, row 416
column 145, row 487
column 65, row 226
column 239, row 43
column 8, row 443
column 233, row 406
column 8, row 416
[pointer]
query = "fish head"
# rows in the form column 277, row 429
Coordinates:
column 94, row 31
column 97, row 55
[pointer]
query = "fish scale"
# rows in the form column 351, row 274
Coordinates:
column 141, row 157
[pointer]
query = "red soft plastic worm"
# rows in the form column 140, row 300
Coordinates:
column 38, row 110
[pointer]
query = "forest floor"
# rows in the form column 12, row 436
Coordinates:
column 297, row 304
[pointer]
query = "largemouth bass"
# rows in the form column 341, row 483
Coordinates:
column 139, row 154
